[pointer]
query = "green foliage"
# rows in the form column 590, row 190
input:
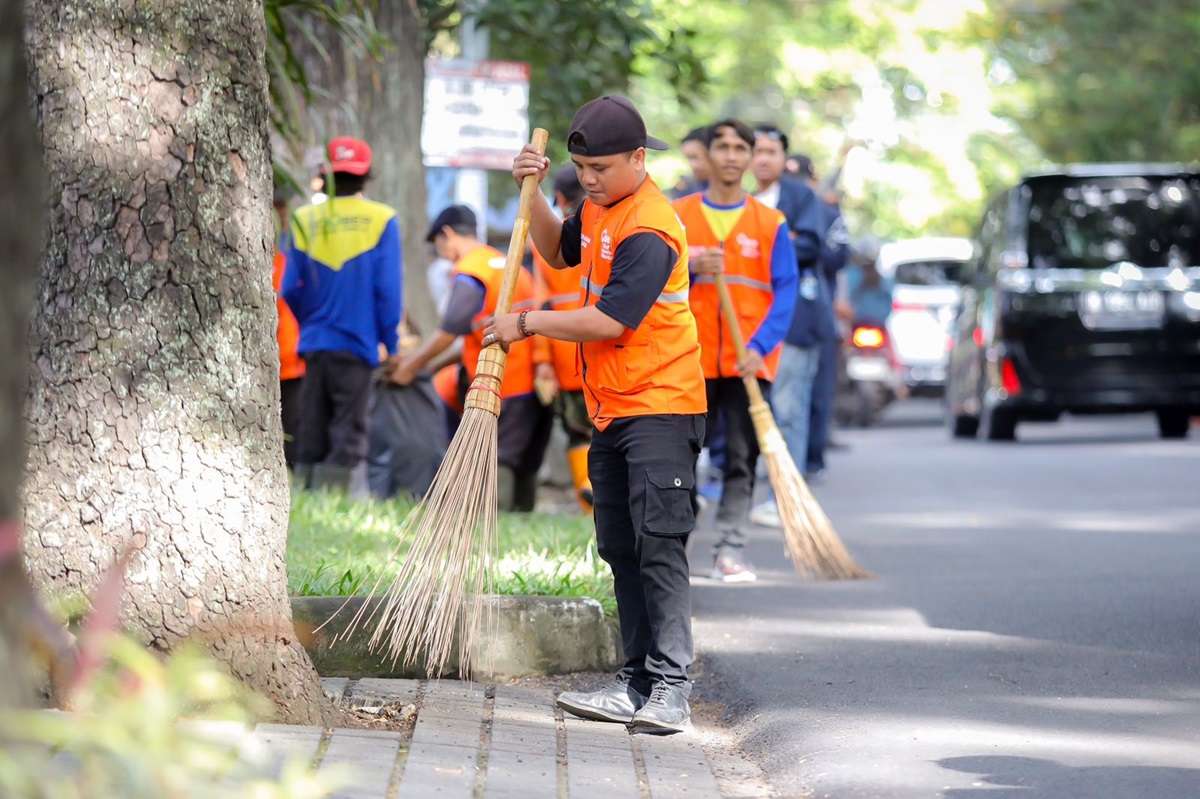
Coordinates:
column 149, row 728
column 292, row 24
column 340, row 547
column 578, row 51
column 1099, row 80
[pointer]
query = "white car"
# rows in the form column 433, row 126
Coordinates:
column 925, row 295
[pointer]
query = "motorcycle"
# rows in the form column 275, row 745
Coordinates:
column 870, row 380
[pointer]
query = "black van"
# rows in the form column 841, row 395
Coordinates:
column 1083, row 295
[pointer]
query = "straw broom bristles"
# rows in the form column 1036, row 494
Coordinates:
column 437, row 599
column 812, row 544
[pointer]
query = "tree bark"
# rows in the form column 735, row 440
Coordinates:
column 382, row 100
column 20, row 240
column 154, row 398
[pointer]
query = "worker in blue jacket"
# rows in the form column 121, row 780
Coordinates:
column 834, row 254
column 812, row 320
column 343, row 282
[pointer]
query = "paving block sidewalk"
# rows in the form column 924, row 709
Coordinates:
column 504, row 742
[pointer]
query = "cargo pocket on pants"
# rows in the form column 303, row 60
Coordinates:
column 668, row 504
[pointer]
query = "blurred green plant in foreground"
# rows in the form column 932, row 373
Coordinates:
column 148, row 727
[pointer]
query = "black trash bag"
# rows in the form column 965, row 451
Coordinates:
column 407, row 431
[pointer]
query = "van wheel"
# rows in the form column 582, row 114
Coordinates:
column 963, row 426
column 1173, row 424
column 998, row 425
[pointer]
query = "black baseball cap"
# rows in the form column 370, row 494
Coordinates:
column 455, row 216
column 609, row 125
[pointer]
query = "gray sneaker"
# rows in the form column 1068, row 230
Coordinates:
column 667, row 711
column 616, row 703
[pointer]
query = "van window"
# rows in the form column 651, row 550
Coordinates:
column 928, row 273
column 1092, row 223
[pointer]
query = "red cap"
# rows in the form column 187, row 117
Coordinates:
column 349, row 155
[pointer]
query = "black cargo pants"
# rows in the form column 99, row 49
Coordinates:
column 642, row 470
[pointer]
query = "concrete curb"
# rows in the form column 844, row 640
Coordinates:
column 534, row 635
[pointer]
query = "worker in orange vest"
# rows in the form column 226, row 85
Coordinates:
column 559, row 290
column 524, row 424
column 640, row 364
column 731, row 233
column 287, row 331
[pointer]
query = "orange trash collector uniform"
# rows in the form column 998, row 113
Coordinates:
column 645, row 394
column 486, row 265
column 747, row 263
column 653, row 369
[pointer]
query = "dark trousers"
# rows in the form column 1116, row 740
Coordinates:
column 824, row 386
column 523, row 431
column 727, row 399
column 291, row 395
column 642, row 470
column 571, row 409
column 334, row 404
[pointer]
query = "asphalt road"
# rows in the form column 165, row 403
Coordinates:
column 1033, row 630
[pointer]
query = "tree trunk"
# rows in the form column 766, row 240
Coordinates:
column 391, row 95
column 382, row 100
column 20, row 240
column 154, row 395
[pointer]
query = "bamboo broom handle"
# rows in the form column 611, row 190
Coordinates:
column 727, row 311
column 516, row 245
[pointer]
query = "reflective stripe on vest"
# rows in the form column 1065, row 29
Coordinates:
column 732, row 280
column 597, row 290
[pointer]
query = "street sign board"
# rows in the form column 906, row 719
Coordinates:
column 476, row 113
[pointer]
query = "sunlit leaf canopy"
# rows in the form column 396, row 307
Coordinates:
column 950, row 99
column 947, row 100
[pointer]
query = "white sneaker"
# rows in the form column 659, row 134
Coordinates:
column 729, row 566
column 766, row 515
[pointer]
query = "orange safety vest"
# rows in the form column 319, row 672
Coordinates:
column 747, row 274
column 291, row 365
column 654, row 369
column 486, row 265
column 559, row 290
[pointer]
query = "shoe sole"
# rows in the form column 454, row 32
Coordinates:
column 640, row 727
column 743, row 577
column 592, row 714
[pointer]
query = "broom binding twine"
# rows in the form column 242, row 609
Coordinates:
column 484, row 392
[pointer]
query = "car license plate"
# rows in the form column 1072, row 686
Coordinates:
column 1121, row 310
column 868, row 369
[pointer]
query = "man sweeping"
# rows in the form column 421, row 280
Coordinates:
column 644, row 387
column 524, row 426
column 559, row 290
column 730, row 232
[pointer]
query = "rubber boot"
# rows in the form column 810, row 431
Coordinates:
column 577, row 460
column 331, row 477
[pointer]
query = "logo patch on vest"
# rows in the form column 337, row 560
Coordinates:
column 748, row 245
column 585, row 241
column 606, row 251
